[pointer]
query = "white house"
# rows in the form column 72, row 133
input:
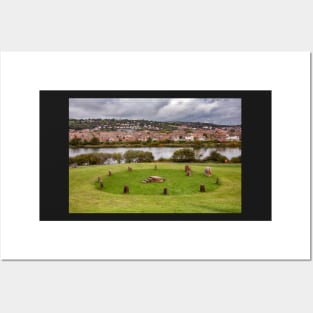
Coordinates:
column 189, row 138
column 234, row 138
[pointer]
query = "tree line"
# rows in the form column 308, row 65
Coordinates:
column 139, row 156
column 130, row 156
column 188, row 155
column 78, row 142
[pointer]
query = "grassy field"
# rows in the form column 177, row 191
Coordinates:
column 85, row 195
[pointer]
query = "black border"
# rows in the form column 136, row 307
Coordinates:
column 256, row 156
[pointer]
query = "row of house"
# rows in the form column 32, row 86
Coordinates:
column 146, row 135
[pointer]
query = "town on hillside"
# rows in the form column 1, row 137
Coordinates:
column 125, row 130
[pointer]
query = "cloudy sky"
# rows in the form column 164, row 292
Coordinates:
column 218, row 111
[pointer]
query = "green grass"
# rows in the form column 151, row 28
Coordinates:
column 183, row 196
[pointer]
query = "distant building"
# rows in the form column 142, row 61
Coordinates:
column 232, row 138
column 220, row 134
column 189, row 138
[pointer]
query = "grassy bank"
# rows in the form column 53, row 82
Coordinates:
column 85, row 195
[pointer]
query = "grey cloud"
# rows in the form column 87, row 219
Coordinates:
column 220, row 111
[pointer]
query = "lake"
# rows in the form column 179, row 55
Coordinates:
column 159, row 152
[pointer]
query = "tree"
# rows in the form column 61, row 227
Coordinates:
column 117, row 157
column 130, row 156
column 90, row 158
column 183, row 155
column 94, row 141
column 138, row 156
column 75, row 141
column 217, row 157
column 145, row 156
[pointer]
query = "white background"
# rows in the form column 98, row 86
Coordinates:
column 25, row 237
column 157, row 286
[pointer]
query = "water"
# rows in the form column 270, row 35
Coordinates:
column 159, row 152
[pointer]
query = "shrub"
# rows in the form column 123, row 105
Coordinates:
column 163, row 159
column 94, row 141
column 183, row 155
column 236, row 159
column 90, row 158
column 138, row 156
column 117, row 157
column 216, row 157
column 75, row 141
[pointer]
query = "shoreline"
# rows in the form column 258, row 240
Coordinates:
column 161, row 145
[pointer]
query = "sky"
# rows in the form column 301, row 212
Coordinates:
column 206, row 110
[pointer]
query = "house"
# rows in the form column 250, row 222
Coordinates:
column 189, row 138
column 232, row 138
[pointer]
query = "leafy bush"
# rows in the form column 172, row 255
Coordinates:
column 216, row 157
column 161, row 159
column 236, row 159
column 138, row 156
column 90, row 158
column 94, row 141
column 75, row 141
column 183, row 155
column 117, row 157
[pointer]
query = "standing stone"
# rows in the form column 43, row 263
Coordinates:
column 202, row 188
column 126, row 189
column 101, row 184
column 208, row 171
column 165, row 191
